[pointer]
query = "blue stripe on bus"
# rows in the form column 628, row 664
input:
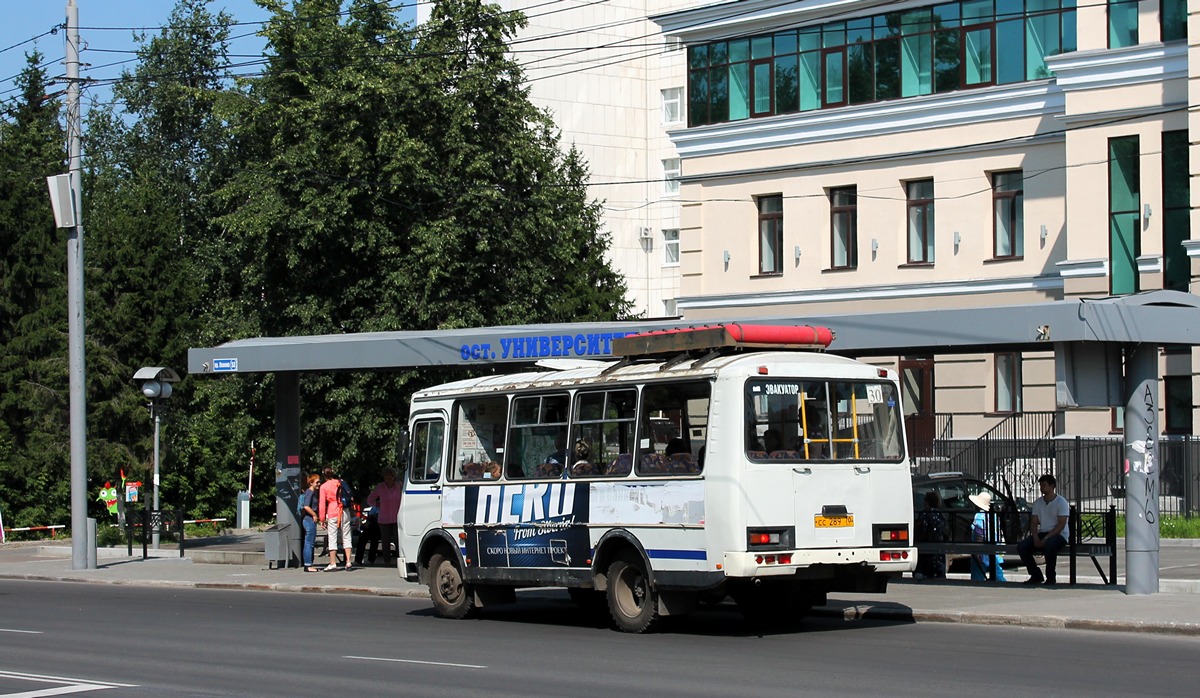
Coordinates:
column 422, row 491
column 678, row 554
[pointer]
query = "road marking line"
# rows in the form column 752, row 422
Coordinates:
column 86, row 684
column 27, row 632
column 416, row 661
column 60, row 691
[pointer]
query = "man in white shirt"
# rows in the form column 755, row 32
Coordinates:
column 1047, row 531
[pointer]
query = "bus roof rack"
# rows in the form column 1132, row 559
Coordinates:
column 732, row 336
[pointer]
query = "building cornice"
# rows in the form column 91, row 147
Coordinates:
column 1118, row 67
column 968, row 107
column 1192, row 247
column 724, row 19
column 1082, row 268
column 1045, row 283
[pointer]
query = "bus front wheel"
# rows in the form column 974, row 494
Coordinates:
column 452, row 598
column 632, row 600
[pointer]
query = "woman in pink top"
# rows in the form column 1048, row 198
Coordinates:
column 386, row 497
column 336, row 520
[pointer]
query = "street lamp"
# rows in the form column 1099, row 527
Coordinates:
column 156, row 386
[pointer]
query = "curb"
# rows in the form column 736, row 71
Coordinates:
column 846, row 613
column 908, row 615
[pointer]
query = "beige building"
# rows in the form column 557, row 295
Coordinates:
column 614, row 85
column 847, row 157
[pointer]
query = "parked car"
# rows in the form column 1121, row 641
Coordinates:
column 953, row 491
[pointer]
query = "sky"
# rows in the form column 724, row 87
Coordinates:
column 106, row 29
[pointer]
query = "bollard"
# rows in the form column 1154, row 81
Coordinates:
column 243, row 510
column 91, row 544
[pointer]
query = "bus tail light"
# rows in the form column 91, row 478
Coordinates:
column 891, row 534
column 775, row 538
column 892, row 555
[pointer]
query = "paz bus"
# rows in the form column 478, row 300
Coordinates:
column 702, row 463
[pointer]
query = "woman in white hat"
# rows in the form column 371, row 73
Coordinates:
column 985, row 529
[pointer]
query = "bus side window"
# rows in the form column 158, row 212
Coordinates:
column 427, row 442
column 537, row 443
column 479, row 429
column 671, row 414
column 602, row 433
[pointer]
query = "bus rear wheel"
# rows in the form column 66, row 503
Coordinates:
column 452, row 597
column 632, row 600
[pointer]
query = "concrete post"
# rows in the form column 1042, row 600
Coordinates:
column 1141, row 469
column 91, row 543
column 287, row 456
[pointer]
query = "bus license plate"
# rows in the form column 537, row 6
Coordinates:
column 834, row 521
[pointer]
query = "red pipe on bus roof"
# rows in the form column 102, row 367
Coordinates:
column 806, row 335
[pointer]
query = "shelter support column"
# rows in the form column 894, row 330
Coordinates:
column 1141, row 469
column 287, row 456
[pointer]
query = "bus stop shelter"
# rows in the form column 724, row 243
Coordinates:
column 1106, row 354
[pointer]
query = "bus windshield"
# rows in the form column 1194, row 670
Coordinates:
column 799, row 419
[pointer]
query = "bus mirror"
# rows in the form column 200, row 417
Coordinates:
column 402, row 450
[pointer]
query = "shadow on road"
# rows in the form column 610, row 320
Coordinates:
column 709, row 620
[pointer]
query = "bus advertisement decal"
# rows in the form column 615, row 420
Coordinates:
column 533, row 525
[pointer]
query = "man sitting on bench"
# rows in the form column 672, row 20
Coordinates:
column 1048, row 531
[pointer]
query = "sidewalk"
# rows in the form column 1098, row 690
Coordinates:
column 1087, row 606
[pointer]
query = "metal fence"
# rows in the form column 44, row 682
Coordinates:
column 1090, row 470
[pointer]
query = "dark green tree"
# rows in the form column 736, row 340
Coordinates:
column 158, row 269
column 34, row 416
column 399, row 178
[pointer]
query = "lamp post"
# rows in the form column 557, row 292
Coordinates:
column 156, row 386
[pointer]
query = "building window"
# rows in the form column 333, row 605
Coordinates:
column 770, row 234
column 1122, row 23
column 920, row 222
column 1008, row 383
column 672, row 105
column 670, row 247
column 843, row 226
column 670, row 176
column 1178, row 404
column 1008, row 215
column 1173, row 17
column 918, row 51
column 1124, row 214
column 1177, row 228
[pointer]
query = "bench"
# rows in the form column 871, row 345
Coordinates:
column 1083, row 540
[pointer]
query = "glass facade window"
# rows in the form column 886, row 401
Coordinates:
column 770, row 234
column 1008, row 215
column 1124, row 214
column 843, row 226
column 920, row 222
column 1122, row 23
column 921, row 51
column 1173, row 17
column 1177, row 226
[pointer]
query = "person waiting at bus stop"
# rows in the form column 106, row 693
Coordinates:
column 1047, row 531
column 985, row 528
column 385, row 498
column 335, row 518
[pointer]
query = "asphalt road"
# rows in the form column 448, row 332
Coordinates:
column 190, row 642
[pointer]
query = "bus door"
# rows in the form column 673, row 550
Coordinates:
column 421, row 506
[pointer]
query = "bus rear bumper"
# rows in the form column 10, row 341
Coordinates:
column 768, row 564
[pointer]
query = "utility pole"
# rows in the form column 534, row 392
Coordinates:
column 78, row 384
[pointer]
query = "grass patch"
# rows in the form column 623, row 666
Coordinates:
column 1169, row 527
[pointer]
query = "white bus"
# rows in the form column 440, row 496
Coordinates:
column 736, row 460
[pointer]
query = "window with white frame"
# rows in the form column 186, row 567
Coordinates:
column 670, row 237
column 1008, row 382
column 672, row 105
column 671, row 176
